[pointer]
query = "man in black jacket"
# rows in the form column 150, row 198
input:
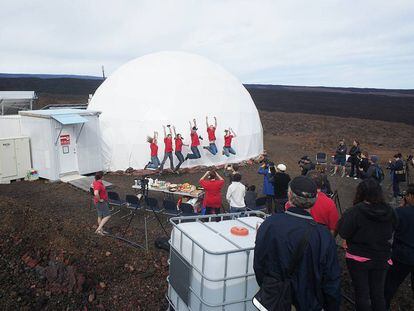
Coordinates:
column 402, row 247
column 340, row 157
column 397, row 174
column 281, row 183
column 316, row 283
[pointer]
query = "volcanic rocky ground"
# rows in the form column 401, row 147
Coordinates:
column 51, row 259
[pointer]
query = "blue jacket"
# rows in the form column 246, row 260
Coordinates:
column 316, row 284
column 403, row 245
column 268, row 187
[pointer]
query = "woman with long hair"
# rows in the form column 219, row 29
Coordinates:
column 155, row 162
column 368, row 227
column 354, row 154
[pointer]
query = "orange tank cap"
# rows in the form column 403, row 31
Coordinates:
column 240, row 231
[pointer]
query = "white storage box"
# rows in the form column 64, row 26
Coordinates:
column 211, row 268
column 15, row 160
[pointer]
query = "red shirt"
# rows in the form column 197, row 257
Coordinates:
column 98, row 186
column 212, row 196
column 178, row 144
column 324, row 211
column 211, row 132
column 194, row 139
column 227, row 140
column 168, row 144
column 154, row 149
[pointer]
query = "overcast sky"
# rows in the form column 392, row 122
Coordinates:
column 359, row 43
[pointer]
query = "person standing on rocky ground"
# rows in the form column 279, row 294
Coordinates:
column 368, row 228
column 268, row 188
column 315, row 283
column 212, row 183
column 235, row 195
column 363, row 164
column 354, row 154
column 101, row 203
column 340, row 158
column 397, row 174
column 211, row 132
column 281, row 184
column 402, row 247
column 168, row 142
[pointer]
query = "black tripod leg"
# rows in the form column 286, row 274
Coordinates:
column 130, row 220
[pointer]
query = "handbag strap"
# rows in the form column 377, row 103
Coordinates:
column 300, row 250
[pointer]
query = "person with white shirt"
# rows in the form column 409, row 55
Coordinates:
column 235, row 195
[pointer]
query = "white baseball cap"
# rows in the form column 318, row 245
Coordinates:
column 281, row 167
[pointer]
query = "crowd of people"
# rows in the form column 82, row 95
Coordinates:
column 304, row 224
column 174, row 142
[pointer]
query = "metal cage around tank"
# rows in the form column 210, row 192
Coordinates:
column 184, row 272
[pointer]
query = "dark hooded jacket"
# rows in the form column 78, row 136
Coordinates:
column 367, row 229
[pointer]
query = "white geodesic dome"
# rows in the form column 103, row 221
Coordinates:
column 173, row 88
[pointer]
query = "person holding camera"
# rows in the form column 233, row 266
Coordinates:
column 354, row 154
column 268, row 183
column 402, row 247
column 168, row 150
column 340, row 157
column 212, row 184
column 195, row 142
column 397, row 174
column 306, row 165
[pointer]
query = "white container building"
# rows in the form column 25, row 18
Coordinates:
column 210, row 268
column 14, row 158
column 63, row 141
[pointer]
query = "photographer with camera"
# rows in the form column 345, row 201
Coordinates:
column 410, row 169
column 402, row 247
column 306, row 165
column 267, row 169
column 212, row 183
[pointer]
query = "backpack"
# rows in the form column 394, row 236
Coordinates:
column 378, row 174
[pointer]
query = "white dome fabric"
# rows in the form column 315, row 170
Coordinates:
column 173, row 88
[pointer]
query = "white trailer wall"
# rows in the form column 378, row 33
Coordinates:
column 10, row 126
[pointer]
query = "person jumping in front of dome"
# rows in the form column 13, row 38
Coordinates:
column 211, row 132
column 228, row 136
column 168, row 149
column 178, row 149
column 155, row 162
column 195, row 142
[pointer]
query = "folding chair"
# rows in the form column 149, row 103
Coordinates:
column 170, row 208
column 132, row 203
column 187, row 210
column 321, row 158
column 260, row 204
column 115, row 200
column 152, row 205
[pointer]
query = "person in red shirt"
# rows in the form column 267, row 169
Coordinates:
column 228, row 136
column 101, row 202
column 324, row 211
column 211, row 132
column 155, row 162
column 178, row 139
column 212, row 183
column 195, row 142
column 168, row 150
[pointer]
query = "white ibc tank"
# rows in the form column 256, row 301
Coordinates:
column 220, row 265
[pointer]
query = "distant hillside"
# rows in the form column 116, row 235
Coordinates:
column 47, row 76
column 374, row 104
column 64, row 86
